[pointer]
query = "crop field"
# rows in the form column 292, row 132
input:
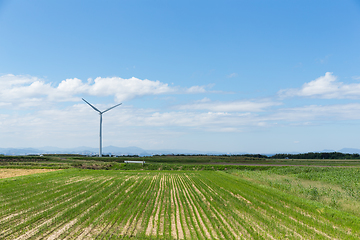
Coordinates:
column 109, row 204
column 336, row 187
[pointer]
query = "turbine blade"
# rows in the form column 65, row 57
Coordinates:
column 91, row 106
column 112, row 107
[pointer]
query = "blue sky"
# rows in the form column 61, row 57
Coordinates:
column 232, row 76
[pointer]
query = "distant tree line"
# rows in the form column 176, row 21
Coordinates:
column 309, row 155
column 317, row 155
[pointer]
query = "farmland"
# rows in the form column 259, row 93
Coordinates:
column 165, row 162
column 111, row 204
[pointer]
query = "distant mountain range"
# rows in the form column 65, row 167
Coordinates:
column 349, row 150
column 106, row 150
column 131, row 151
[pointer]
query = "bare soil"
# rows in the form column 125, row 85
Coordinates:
column 8, row 172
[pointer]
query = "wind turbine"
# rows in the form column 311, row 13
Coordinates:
column 101, row 113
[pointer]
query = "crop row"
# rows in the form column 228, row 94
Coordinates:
column 85, row 204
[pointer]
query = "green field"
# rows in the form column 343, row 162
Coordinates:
column 165, row 162
column 141, row 204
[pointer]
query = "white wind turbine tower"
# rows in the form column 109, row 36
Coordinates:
column 101, row 113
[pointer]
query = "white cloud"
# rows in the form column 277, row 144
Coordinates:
column 196, row 89
column 31, row 91
column 204, row 100
column 10, row 80
column 2, row 104
column 122, row 89
column 125, row 89
column 324, row 87
column 232, row 75
column 78, row 125
column 234, row 106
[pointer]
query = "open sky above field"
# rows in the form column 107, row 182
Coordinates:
column 232, row 76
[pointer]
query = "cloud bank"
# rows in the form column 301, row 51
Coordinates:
column 25, row 91
column 74, row 120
